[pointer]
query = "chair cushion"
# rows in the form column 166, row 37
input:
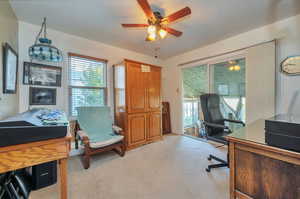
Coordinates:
column 95, row 120
column 105, row 141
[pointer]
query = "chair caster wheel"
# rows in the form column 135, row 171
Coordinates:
column 207, row 170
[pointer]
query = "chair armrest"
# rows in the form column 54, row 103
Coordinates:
column 219, row 126
column 117, row 129
column 83, row 136
column 235, row 121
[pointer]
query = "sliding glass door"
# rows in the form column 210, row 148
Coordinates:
column 226, row 79
column 195, row 82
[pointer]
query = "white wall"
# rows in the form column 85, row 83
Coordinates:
column 260, row 82
column 70, row 43
column 288, row 34
column 8, row 33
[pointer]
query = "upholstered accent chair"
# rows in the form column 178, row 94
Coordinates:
column 97, row 133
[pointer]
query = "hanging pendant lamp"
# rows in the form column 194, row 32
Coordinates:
column 42, row 50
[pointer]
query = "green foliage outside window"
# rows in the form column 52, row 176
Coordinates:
column 88, row 83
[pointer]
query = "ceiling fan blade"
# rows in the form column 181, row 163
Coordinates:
column 177, row 15
column 173, row 31
column 134, row 25
column 146, row 8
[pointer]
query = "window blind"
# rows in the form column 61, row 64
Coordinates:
column 87, row 82
column 86, row 72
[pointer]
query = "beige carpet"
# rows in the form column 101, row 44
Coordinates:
column 169, row 169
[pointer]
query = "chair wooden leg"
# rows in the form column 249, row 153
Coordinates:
column 123, row 151
column 85, row 159
column 123, row 148
column 76, row 142
column 120, row 150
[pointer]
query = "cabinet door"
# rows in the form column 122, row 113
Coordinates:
column 136, row 94
column 154, row 126
column 137, row 129
column 154, row 89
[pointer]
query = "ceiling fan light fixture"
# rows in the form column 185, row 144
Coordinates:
column 151, row 29
column 234, row 67
column 162, row 33
column 151, row 37
column 237, row 68
column 156, row 21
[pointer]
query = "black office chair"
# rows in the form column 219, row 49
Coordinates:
column 214, row 123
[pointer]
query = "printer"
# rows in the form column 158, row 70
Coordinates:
column 283, row 131
column 32, row 126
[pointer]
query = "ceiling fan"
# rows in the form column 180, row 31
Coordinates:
column 157, row 24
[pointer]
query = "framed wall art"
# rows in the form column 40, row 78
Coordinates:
column 42, row 96
column 10, row 69
column 41, row 74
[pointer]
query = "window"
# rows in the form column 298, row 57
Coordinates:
column 87, row 82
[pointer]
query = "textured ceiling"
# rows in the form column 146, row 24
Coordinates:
column 211, row 20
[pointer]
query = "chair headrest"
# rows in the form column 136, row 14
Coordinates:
column 210, row 104
column 95, row 119
column 212, row 99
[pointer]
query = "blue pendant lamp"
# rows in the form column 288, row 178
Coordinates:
column 42, row 50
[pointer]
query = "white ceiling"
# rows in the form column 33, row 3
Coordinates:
column 211, row 20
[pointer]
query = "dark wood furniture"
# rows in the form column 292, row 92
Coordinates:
column 166, row 118
column 118, row 147
column 26, row 155
column 137, row 97
column 259, row 171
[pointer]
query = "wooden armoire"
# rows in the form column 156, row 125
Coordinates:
column 137, row 99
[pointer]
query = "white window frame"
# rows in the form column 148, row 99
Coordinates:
column 86, row 87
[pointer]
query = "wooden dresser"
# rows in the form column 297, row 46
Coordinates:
column 137, row 99
column 259, row 171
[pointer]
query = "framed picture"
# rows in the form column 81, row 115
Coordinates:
column 42, row 96
column 42, row 75
column 10, row 69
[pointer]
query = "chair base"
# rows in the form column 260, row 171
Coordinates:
column 119, row 148
column 222, row 163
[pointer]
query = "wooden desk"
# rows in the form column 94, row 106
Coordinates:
column 34, row 153
column 259, row 171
